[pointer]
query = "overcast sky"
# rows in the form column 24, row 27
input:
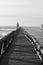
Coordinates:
column 27, row 12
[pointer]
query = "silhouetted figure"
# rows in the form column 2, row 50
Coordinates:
column 17, row 25
column 42, row 25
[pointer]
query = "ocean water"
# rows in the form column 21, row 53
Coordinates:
column 6, row 30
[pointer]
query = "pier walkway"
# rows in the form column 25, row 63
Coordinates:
column 21, row 52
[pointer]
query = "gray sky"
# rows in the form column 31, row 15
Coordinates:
column 27, row 12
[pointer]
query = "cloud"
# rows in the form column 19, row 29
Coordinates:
column 32, row 10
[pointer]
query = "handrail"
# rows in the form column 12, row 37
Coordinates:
column 6, row 41
column 36, row 45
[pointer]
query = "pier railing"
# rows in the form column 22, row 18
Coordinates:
column 6, row 41
column 36, row 45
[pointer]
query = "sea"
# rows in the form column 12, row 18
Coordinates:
column 5, row 30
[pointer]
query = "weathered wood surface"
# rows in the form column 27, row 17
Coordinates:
column 21, row 52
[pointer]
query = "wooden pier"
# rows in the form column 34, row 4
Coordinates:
column 20, row 50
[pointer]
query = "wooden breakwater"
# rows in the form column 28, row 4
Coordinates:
column 24, row 51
